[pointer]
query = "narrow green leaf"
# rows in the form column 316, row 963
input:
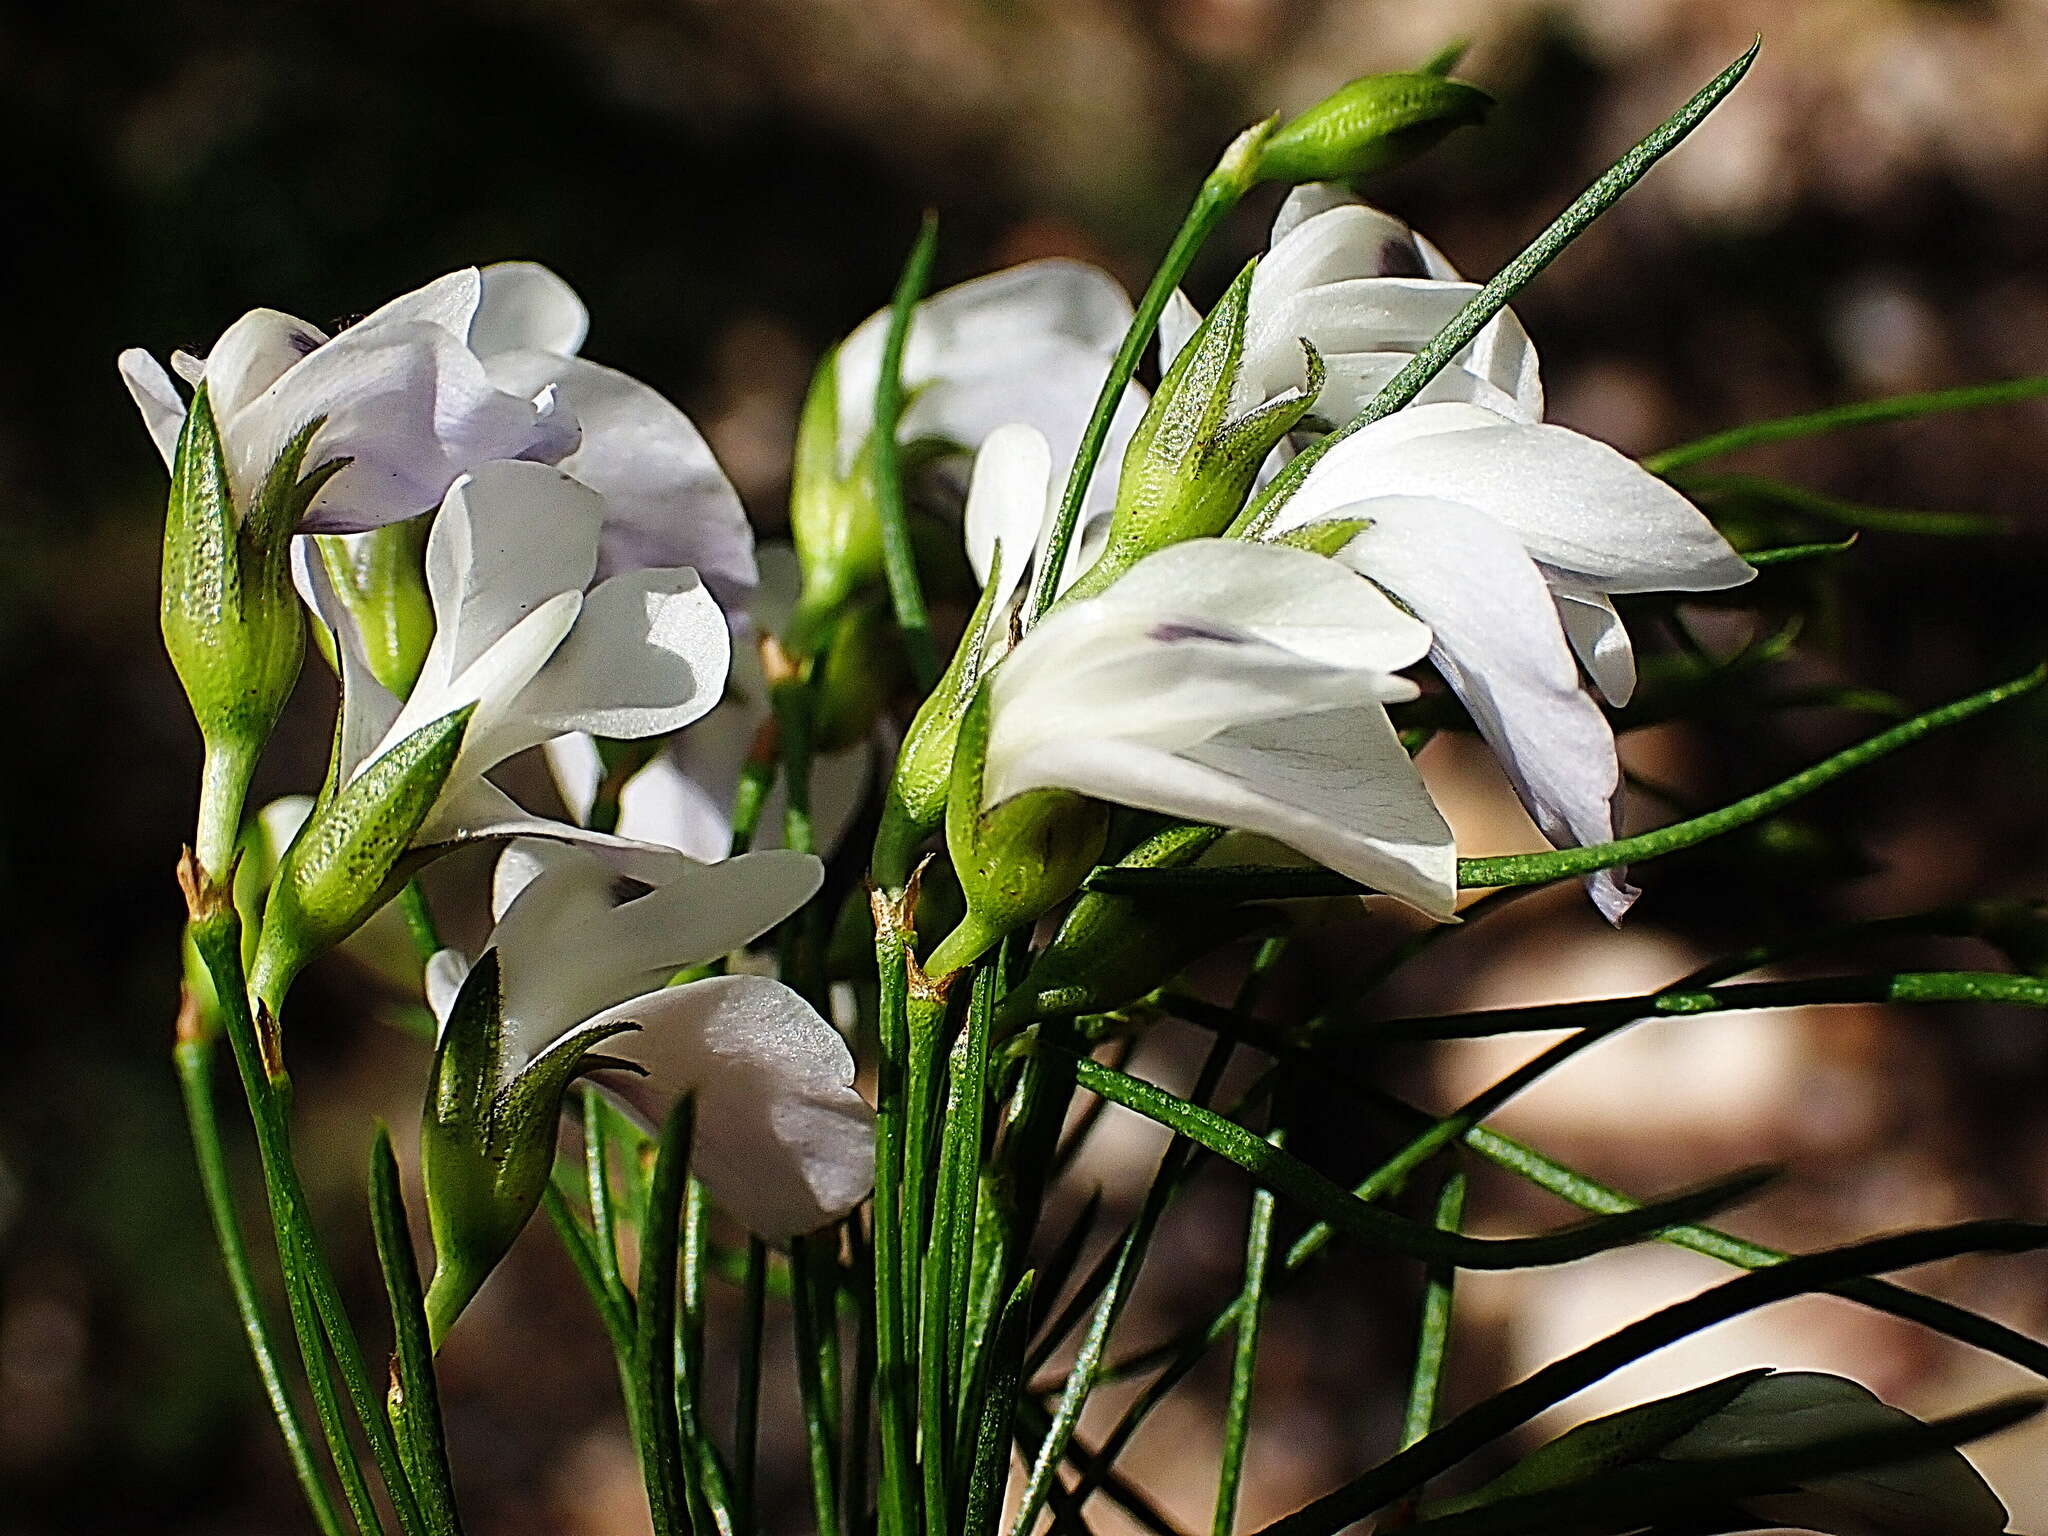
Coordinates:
column 899, row 559
column 1862, row 413
column 812, row 1313
column 1433, row 1335
column 988, row 1475
column 1794, row 554
column 654, row 1361
column 1237, row 1406
column 415, row 1401
column 1834, row 509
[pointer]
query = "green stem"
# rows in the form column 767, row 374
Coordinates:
column 746, row 1411
column 814, row 1319
column 1434, row 1333
column 216, row 934
column 224, row 776
column 193, row 1057
column 1234, row 175
column 1861, row 413
column 899, row 559
column 414, row 1399
column 1237, row 1412
column 654, row 1333
column 897, row 1512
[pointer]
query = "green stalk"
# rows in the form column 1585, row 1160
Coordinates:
column 656, row 1316
column 1234, row 175
column 193, row 1057
column 216, row 934
column 1434, row 1334
column 604, row 1247
column 414, row 1399
column 328, row 1406
column 813, row 1315
column 746, row 1409
column 899, row 559
column 1861, row 413
column 1237, row 1408
column 896, row 1512
column 1491, row 299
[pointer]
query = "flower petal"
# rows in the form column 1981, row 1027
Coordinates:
column 162, row 407
column 1499, row 644
column 1006, row 504
column 1599, row 638
column 449, row 302
column 521, row 306
column 667, row 502
column 253, row 354
column 782, row 1139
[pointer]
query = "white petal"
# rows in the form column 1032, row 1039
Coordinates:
column 1178, row 323
column 449, row 302
column 666, row 803
column 647, row 656
column 1576, row 504
column 446, row 971
column 477, row 813
column 1305, row 202
column 524, row 306
column 1499, row 644
column 1312, row 606
column 782, row 1139
column 1352, row 379
column 508, row 538
column 1006, row 504
column 667, row 502
column 1372, row 314
column 411, row 408
column 253, row 354
column 1340, row 242
column 577, row 770
column 163, row 409
column 1599, row 638
column 1336, row 786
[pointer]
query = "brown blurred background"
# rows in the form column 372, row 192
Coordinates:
column 731, row 186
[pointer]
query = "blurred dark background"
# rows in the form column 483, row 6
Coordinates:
column 731, row 187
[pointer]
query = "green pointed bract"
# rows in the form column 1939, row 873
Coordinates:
column 834, row 520
column 1016, row 861
column 351, row 854
column 1372, row 124
column 380, row 577
column 1327, row 536
column 914, row 805
column 487, row 1137
column 1190, row 463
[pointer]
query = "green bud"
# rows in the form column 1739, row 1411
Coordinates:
column 380, row 577
column 1190, row 463
column 350, row 856
column 230, row 619
column 1374, row 123
column 834, row 520
column 854, row 682
column 1016, row 861
column 1112, row 950
column 914, row 805
column 487, row 1137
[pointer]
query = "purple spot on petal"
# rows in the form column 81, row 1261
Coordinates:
column 1400, row 258
column 1174, row 631
column 302, row 342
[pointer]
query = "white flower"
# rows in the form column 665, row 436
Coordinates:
column 683, row 797
column 1233, row 683
column 517, row 635
column 475, row 366
column 1473, row 517
column 782, row 1139
column 1369, row 292
column 1030, row 344
column 1937, row 1494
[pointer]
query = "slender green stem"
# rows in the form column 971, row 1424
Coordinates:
column 419, row 920
column 1491, row 299
column 899, row 560
column 1234, row 175
column 814, row 1319
column 989, row 1474
column 1237, row 1408
column 656, row 1313
column 414, row 1399
column 217, row 936
column 1254, row 884
column 194, row 1060
column 1835, row 510
column 328, row 1405
column 597, row 1141
column 1508, row 1410
column 1861, row 413
column 582, row 1251
column 1434, row 1333
column 894, row 1393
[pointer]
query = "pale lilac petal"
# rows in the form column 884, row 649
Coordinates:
column 449, row 302
column 1007, row 501
column 162, row 407
column 253, row 354
column 783, row 1141
column 522, row 306
column 1600, row 640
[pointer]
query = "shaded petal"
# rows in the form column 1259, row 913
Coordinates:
column 162, row 407
column 522, row 305
column 647, row 656
column 476, row 812
column 1007, row 502
column 1335, row 785
column 449, row 302
column 1599, row 638
column 1353, row 378
column 1499, row 644
column 446, row 970
column 368, row 708
column 783, row 1141
column 253, row 354
column 1178, row 323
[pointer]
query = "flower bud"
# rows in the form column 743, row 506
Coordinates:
column 1017, row 860
column 230, row 619
column 349, row 857
column 834, row 520
column 914, row 804
column 1372, row 124
column 1191, row 462
column 487, row 1137
column 1112, row 950
column 380, row 577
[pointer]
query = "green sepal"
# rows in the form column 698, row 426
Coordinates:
column 1016, row 861
column 1602, row 1445
column 350, row 856
column 914, row 804
column 380, row 577
column 1112, row 950
column 1325, row 537
column 859, row 673
column 1372, row 124
column 487, row 1137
